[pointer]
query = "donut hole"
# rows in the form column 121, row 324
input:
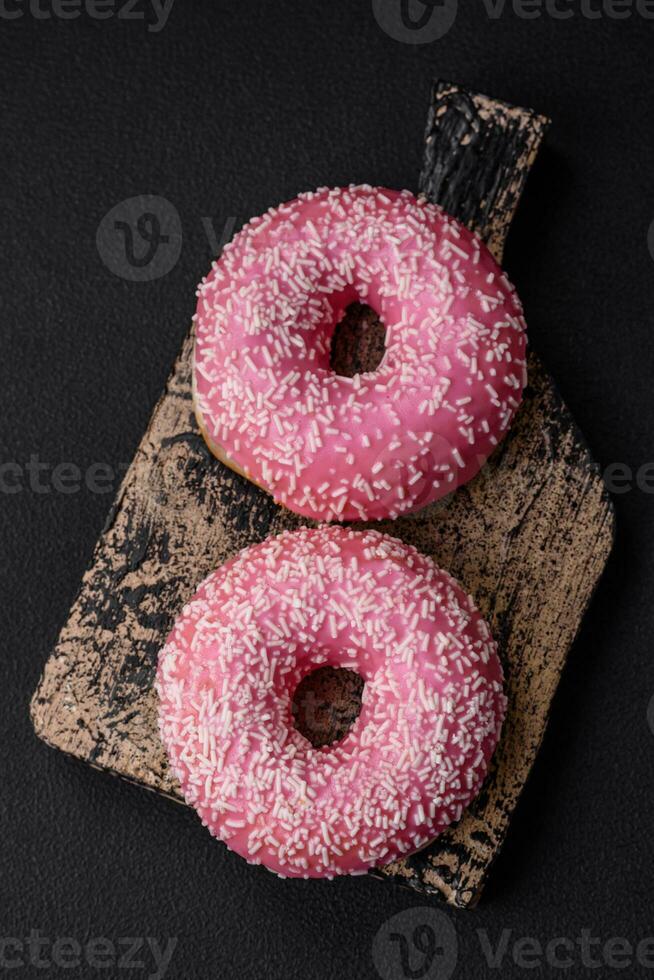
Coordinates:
column 358, row 343
column 326, row 703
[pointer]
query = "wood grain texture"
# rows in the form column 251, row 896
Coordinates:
column 478, row 153
column 528, row 538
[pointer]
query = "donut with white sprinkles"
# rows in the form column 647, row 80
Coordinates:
column 382, row 443
column 432, row 705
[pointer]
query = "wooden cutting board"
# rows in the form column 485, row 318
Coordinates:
column 528, row 538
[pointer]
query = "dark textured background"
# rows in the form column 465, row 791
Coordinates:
column 231, row 108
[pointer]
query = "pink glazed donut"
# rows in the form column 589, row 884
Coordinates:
column 378, row 444
column 432, row 705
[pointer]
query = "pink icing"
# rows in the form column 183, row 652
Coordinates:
column 431, row 716
column 379, row 444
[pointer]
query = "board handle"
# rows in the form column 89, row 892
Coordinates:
column 478, row 153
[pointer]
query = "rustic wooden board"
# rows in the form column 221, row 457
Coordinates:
column 528, row 537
